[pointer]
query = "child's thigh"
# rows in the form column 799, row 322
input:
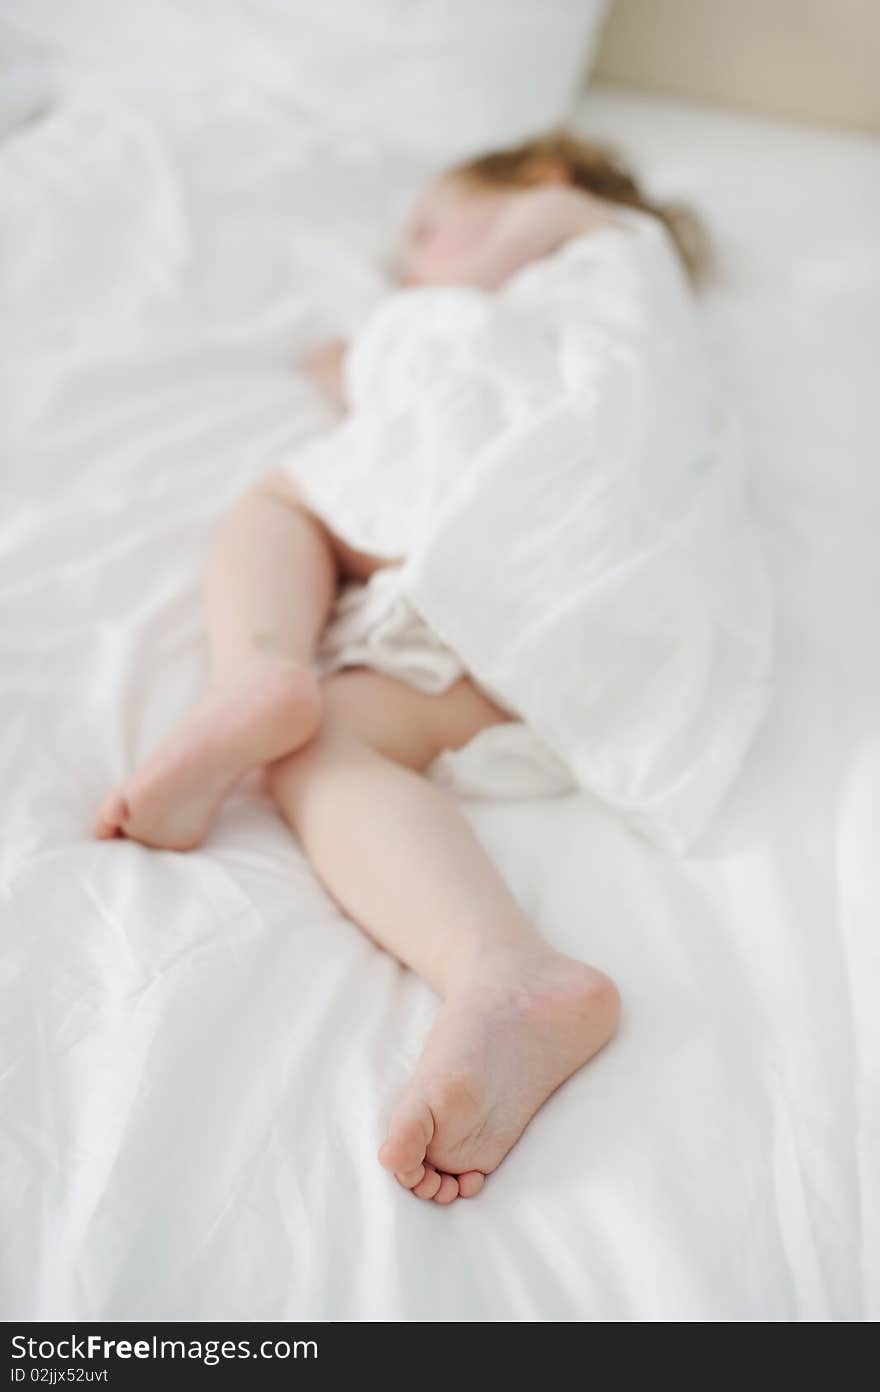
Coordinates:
column 352, row 565
column 402, row 723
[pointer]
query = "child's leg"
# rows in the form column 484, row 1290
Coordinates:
column 399, row 856
column 271, row 580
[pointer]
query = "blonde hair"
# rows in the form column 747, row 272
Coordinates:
column 596, row 169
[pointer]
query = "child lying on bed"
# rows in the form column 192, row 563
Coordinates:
column 345, row 755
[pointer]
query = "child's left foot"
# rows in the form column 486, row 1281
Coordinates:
column 171, row 800
column 500, row 1047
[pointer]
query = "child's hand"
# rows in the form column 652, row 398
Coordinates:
column 324, row 365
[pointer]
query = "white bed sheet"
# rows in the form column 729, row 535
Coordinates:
column 198, row 1052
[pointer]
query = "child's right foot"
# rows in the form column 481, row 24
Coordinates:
column 499, row 1047
column 172, row 799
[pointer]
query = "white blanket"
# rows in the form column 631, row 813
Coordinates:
column 552, row 463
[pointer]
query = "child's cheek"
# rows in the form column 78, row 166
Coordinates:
column 451, row 241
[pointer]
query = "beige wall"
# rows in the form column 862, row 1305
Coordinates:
column 812, row 60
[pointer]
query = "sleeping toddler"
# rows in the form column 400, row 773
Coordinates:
column 345, row 747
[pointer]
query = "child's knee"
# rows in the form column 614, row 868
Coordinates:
column 380, row 713
column 286, row 777
column 328, row 751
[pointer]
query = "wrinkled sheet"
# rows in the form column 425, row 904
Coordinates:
column 197, row 1052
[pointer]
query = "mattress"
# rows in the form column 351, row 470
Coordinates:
column 198, row 1053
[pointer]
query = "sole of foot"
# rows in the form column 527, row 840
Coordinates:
column 500, row 1046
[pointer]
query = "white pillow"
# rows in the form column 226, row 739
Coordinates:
column 444, row 78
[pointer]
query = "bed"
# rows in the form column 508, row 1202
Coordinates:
column 198, row 1052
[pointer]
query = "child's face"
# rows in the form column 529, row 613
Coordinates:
column 448, row 225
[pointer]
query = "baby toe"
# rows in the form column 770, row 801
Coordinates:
column 470, row 1183
column 429, row 1185
column 448, row 1190
column 111, row 815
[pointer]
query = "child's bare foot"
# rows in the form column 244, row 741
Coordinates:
column 171, row 800
column 501, row 1045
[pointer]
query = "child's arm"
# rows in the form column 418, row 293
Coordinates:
column 537, row 222
column 324, row 365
